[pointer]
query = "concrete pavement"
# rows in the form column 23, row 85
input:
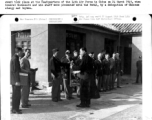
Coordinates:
column 120, row 104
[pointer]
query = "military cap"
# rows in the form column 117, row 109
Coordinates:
column 67, row 52
column 55, row 50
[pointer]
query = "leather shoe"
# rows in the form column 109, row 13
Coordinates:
column 71, row 97
column 87, row 106
column 80, row 105
column 78, row 96
column 55, row 100
column 25, row 106
column 99, row 90
column 68, row 98
column 28, row 104
column 118, row 87
column 35, row 88
column 16, row 112
column 60, row 100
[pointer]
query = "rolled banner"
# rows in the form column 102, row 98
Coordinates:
column 24, row 79
column 75, row 72
column 23, row 74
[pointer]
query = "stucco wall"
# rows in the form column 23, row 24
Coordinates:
column 57, row 38
column 136, row 52
column 43, row 44
column 39, row 48
column 94, row 39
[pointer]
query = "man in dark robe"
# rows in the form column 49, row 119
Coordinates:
column 86, row 69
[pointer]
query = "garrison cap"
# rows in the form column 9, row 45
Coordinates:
column 55, row 50
column 67, row 52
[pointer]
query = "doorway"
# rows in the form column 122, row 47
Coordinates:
column 127, row 60
column 74, row 41
column 109, row 46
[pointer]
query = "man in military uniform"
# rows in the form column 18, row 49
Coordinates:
column 25, row 67
column 55, row 70
column 86, row 69
column 99, row 71
column 75, row 56
column 15, row 81
column 106, row 72
column 112, row 71
column 139, row 69
column 66, row 75
column 118, row 69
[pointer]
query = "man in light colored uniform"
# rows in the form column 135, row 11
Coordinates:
column 25, row 67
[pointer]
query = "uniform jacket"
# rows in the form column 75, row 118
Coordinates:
column 112, row 65
column 106, row 67
column 139, row 65
column 25, row 64
column 14, row 70
column 99, row 68
column 66, row 67
column 118, row 65
column 55, row 66
column 75, row 60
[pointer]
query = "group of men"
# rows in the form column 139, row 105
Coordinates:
column 99, row 74
column 20, row 64
column 95, row 75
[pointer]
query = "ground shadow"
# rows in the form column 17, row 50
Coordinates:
column 123, row 96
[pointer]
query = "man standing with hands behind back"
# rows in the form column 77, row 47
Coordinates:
column 15, row 81
column 139, row 69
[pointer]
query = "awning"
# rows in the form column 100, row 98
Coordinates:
column 123, row 28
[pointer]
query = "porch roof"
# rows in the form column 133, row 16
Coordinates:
column 123, row 28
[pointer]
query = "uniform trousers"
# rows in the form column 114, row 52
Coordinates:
column 25, row 94
column 98, row 82
column 16, row 96
column 78, row 90
column 112, row 80
column 139, row 73
column 25, row 91
column 106, row 82
column 56, row 88
column 67, row 88
column 118, row 79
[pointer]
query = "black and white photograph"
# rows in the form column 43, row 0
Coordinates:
column 76, row 71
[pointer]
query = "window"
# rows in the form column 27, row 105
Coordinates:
column 74, row 41
column 23, row 39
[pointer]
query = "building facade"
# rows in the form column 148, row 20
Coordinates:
column 42, row 38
